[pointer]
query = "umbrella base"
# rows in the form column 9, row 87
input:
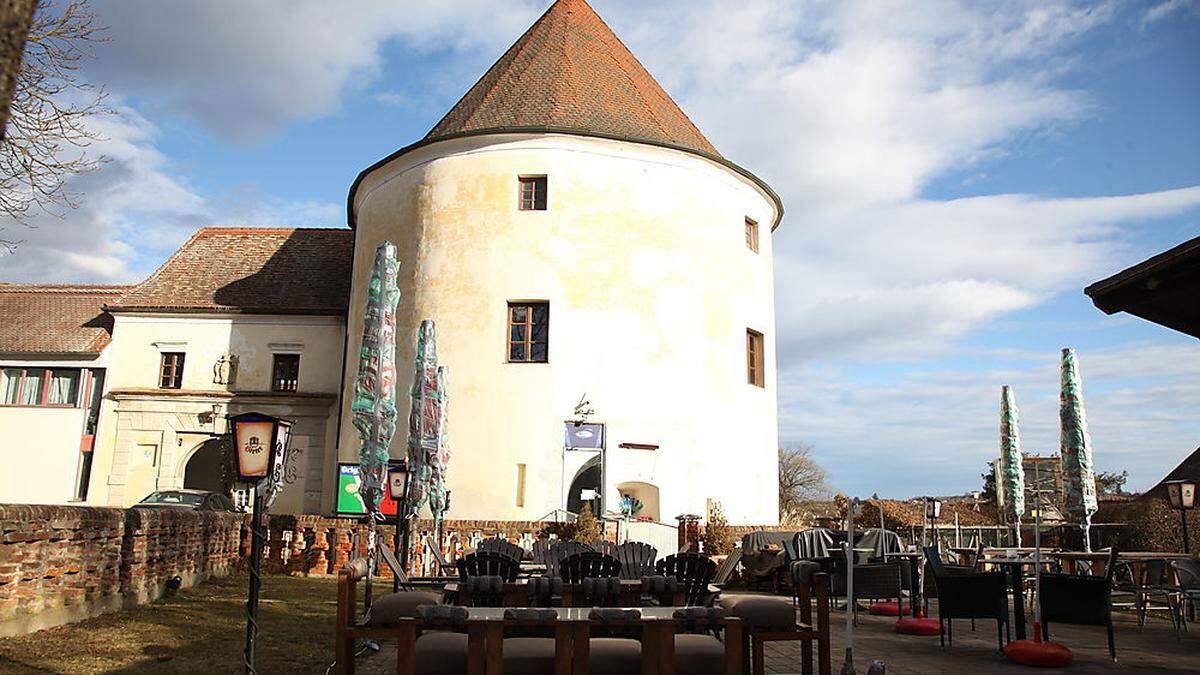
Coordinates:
column 1037, row 653
column 885, row 609
column 918, row 626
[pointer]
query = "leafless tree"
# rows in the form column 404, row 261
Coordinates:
column 800, row 479
column 47, row 138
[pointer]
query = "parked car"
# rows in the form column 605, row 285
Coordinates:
column 193, row 500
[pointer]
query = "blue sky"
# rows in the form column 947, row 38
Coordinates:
column 954, row 174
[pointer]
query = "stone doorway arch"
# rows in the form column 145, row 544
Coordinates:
column 588, row 477
column 207, row 468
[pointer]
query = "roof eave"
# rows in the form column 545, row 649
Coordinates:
column 118, row 309
column 350, row 216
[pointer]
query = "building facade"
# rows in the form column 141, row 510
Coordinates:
column 601, row 281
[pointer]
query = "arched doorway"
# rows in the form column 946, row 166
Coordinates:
column 587, row 478
column 207, row 470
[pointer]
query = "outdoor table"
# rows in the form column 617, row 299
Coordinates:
column 1070, row 559
column 1016, row 579
column 485, row 628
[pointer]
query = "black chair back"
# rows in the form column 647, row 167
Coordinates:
column 1080, row 600
column 499, row 545
column 637, row 559
column 727, row 567
column 589, row 565
column 693, row 571
column 560, row 550
column 486, row 564
column 541, row 551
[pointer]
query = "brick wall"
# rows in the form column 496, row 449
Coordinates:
column 64, row 563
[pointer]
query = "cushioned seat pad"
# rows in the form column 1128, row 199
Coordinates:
column 614, row 656
column 441, row 654
column 387, row 610
column 761, row 613
column 699, row 655
column 531, row 655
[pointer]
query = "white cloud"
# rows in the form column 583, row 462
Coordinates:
column 247, row 69
column 1163, row 10
column 135, row 211
column 934, row 431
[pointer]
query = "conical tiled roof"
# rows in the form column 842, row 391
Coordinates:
column 570, row 71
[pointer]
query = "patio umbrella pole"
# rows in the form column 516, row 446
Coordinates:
column 848, row 666
column 1035, row 652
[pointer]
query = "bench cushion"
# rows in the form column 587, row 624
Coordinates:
column 387, row 610
column 615, row 656
column 699, row 655
column 441, row 654
column 761, row 613
column 531, row 655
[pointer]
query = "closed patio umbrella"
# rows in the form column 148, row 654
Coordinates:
column 1075, row 448
column 428, row 453
column 374, row 405
column 1012, row 472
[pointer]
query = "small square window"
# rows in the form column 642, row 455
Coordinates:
column 170, row 373
column 532, row 193
column 285, row 373
column 752, row 235
column 528, row 336
column 754, row 358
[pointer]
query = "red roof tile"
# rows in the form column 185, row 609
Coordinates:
column 569, row 70
column 55, row 319
column 252, row 270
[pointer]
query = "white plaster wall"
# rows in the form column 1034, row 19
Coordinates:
column 39, row 454
column 642, row 257
column 138, row 415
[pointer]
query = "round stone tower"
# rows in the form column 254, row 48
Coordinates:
column 574, row 235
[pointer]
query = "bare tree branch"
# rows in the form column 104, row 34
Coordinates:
column 800, row 479
column 47, row 138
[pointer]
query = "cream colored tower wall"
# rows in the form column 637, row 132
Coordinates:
column 642, row 257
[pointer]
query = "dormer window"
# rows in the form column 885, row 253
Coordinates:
column 532, row 193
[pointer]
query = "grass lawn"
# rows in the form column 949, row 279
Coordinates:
column 200, row 630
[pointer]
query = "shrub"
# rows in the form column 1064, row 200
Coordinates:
column 718, row 538
column 587, row 528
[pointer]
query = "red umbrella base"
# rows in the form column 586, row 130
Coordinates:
column 885, row 609
column 910, row 626
column 1038, row 654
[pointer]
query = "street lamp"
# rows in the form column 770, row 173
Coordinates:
column 397, row 484
column 1182, row 496
column 933, row 511
column 260, row 445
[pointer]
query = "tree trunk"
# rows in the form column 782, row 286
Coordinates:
column 15, row 18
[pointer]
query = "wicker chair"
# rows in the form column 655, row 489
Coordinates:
column 978, row 595
column 877, row 581
column 1079, row 599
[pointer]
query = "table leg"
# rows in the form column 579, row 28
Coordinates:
column 563, row 648
column 650, row 641
column 494, row 649
column 406, row 648
column 581, row 652
column 1018, row 595
column 666, row 648
column 476, row 648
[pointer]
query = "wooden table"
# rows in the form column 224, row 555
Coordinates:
column 1070, row 559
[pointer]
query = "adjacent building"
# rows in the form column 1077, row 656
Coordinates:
column 601, row 280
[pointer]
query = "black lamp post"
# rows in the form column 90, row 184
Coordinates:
column 260, row 444
column 397, row 482
column 1182, row 496
column 933, row 511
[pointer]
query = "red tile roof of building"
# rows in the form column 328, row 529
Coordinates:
column 251, row 270
column 570, row 71
column 55, row 319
